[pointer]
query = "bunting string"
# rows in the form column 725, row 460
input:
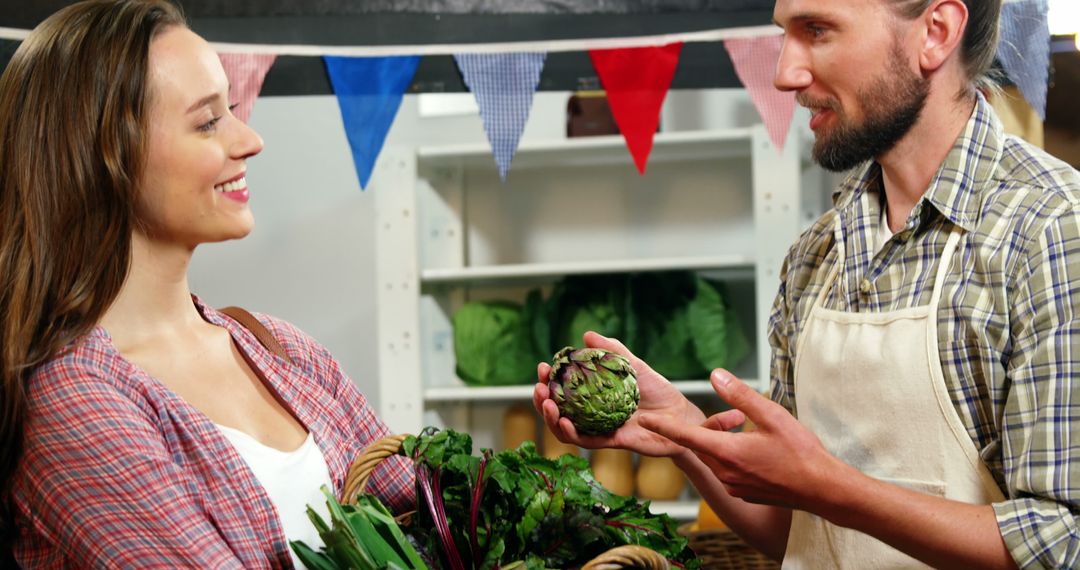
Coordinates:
column 636, row 71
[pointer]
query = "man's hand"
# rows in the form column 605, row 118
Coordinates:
column 658, row 397
column 780, row 463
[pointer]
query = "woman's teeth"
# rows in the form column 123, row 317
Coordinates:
column 233, row 186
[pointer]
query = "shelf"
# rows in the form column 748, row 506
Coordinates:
column 678, row 510
column 532, row 270
column 459, row 394
column 599, row 150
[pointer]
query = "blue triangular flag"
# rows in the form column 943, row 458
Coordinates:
column 369, row 92
column 503, row 84
column 1024, row 50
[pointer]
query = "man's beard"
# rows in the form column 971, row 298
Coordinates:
column 891, row 107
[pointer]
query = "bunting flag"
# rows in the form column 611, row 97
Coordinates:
column 755, row 62
column 369, row 92
column 1024, row 49
column 637, row 80
column 503, row 85
column 246, row 72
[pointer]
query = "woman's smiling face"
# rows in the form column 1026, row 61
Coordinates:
column 193, row 188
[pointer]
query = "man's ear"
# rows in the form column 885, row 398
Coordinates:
column 945, row 21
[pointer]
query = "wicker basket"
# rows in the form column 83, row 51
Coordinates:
column 720, row 548
column 627, row 556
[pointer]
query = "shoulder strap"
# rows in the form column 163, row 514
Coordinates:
column 252, row 324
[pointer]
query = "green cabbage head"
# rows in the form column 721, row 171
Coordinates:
column 595, row 388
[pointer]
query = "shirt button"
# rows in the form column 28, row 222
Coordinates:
column 865, row 286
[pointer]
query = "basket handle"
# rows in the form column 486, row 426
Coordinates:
column 366, row 462
column 628, row 556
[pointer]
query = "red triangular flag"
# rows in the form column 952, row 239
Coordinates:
column 246, row 72
column 755, row 63
column 636, row 81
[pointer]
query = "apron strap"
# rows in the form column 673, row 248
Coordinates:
column 944, row 263
column 830, row 277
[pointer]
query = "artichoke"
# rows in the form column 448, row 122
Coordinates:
column 595, row 388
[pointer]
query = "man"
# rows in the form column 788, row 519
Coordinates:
column 925, row 333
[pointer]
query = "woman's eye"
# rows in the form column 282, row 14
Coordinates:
column 233, row 107
column 209, row 125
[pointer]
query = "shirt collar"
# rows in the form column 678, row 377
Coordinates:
column 964, row 172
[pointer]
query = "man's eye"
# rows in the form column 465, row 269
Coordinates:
column 815, row 31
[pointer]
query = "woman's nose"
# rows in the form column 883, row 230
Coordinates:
column 248, row 143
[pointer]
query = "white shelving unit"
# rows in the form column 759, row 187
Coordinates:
column 723, row 202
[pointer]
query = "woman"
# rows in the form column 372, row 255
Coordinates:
column 142, row 428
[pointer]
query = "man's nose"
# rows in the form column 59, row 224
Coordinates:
column 792, row 69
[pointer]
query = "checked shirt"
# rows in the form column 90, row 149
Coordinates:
column 120, row 472
column 1010, row 336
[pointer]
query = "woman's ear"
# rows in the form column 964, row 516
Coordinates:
column 945, row 21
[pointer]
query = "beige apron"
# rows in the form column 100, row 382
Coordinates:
column 870, row 386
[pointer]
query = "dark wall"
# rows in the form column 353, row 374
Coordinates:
column 417, row 22
column 27, row 13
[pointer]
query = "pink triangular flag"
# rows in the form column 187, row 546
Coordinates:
column 246, row 72
column 755, row 62
column 636, row 81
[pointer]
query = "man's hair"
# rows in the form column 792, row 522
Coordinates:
column 979, row 45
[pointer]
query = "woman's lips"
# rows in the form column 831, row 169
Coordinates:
column 240, row 195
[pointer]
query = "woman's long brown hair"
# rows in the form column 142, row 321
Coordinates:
column 73, row 113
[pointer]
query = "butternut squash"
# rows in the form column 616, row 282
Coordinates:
column 553, row 448
column 707, row 518
column 519, row 425
column 658, row 479
column 614, row 469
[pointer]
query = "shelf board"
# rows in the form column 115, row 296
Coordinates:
column 459, row 394
column 678, row 510
column 598, row 150
column 532, row 270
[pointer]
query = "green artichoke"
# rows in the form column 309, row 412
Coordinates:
column 595, row 388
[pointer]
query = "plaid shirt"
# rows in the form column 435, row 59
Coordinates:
column 1010, row 337
column 120, row 472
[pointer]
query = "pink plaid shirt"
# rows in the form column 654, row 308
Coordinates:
column 120, row 472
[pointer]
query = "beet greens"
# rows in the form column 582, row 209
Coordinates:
column 516, row 506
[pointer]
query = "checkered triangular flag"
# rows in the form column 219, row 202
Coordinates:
column 503, row 84
column 1024, row 49
column 246, row 72
column 755, row 62
column 369, row 92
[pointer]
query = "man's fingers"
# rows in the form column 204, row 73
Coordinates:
column 725, row 421
column 543, row 371
column 541, row 391
column 735, row 392
column 594, row 339
column 550, row 411
column 539, row 396
column 693, row 437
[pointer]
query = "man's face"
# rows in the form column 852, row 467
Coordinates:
column 863, row 94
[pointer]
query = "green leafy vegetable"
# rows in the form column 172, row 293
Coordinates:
column 719, row 340
column 364, row 537
column 676, row 321
column 493, row 344
column 518, row 509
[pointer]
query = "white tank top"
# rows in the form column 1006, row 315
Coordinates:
column 292, row 480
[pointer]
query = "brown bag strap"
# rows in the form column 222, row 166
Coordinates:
column 252, row 324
